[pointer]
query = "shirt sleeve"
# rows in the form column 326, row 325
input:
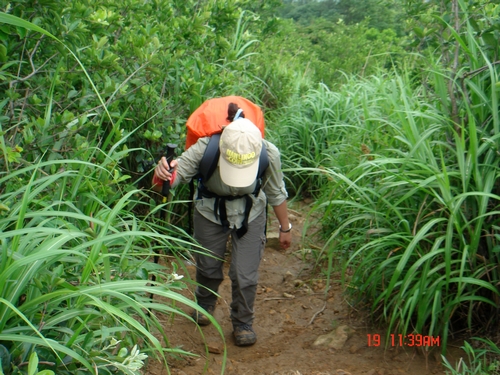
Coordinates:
column 189, row 161
column 273, row 184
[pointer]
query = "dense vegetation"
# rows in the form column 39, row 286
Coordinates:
column 389, row 120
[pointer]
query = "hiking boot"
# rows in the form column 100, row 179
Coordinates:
column 200, row 318
column 244, row 335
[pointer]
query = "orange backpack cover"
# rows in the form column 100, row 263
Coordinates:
column 211, row 116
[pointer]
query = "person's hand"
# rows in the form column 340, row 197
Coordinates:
column 285, row 239
column 165, row 172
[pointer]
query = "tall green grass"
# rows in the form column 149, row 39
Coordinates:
column 479, row 361
column 75, row 272
column 409, row 201
column 310, row 130
column 408, row 196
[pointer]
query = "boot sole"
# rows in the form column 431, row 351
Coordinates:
column 245, row 341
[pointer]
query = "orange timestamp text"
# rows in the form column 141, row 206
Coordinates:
column 409, row 340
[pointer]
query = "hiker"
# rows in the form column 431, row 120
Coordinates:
column 231, row 203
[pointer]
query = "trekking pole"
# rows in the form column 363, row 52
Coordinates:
column 169, row 153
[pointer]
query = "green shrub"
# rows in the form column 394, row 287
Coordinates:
column 116, row 70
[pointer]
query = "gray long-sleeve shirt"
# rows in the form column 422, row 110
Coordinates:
column 273, row 186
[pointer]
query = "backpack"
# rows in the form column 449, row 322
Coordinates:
column 208, row 121
column 209, row 118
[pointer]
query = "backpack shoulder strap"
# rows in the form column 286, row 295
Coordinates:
column 263, row 161
column 263, row 164
column 210, row 158
column 206, row 169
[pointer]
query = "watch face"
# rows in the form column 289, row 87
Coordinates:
column 409, row 340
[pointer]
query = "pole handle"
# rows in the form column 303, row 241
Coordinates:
column 169, row 154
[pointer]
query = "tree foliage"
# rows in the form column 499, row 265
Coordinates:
column 152, row 64
column 355, row 49
column 378, row 14
column 341, row 37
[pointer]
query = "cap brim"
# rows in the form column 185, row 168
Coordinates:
column 238, row 177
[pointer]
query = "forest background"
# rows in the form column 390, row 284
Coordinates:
column 386, row 113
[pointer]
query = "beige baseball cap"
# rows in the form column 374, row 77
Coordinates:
column 240, row 146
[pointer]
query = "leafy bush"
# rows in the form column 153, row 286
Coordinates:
column 352, row 49
column 135, row 71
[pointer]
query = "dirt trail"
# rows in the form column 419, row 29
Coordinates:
column 291, row 314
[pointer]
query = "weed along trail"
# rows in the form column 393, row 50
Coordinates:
column 302, row 329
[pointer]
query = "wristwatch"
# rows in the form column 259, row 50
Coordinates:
column 286, row 230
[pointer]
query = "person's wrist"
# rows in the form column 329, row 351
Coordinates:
column 286, row 230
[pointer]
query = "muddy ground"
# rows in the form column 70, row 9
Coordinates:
column 301, row 329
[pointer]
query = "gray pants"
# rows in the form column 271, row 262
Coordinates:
column 243, row 271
